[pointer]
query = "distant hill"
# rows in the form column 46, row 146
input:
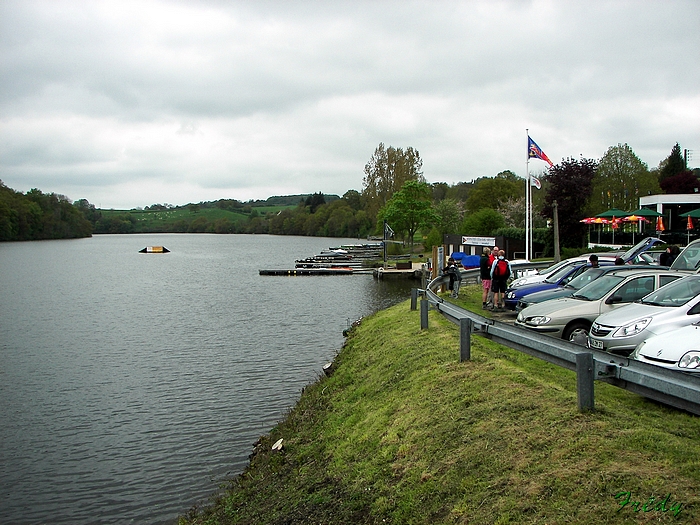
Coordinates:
column 290, row 200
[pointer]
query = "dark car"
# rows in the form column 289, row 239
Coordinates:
column 572, row 286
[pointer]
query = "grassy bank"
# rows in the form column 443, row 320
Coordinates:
column 401, row 433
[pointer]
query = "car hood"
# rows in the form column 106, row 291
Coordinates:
column 672, row 348
column 641, row 247
column 630, row 312
column 547, row 295
column 562, row 307
column 531, row 288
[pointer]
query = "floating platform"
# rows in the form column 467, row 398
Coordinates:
column 309, row 271
column 154, row 249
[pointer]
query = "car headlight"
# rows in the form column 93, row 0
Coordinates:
column 539, row 320
column 690, row 360
column 510, row 295
column 632, row 328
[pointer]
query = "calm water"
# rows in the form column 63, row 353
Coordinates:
column 132, row 384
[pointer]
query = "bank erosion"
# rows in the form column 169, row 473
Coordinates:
column 402, row 432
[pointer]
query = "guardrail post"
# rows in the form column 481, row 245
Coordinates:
column 584, row 381
column 465, row 339
column 424, row 314
column 414, row 298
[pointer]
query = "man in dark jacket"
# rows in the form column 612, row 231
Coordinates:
column 485, row 274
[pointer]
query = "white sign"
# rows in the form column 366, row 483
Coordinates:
column 479, row 241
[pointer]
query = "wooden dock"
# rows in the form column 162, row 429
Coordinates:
column 309, row 271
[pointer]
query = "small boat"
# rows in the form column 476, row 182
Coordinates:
column 154, row 249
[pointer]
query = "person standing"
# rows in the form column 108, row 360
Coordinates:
column 492, row 257
column 500, row 273
column 485, row 273
column 455, row 277
column 593, row 259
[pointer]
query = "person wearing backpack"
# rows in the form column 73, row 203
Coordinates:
column 500, row 273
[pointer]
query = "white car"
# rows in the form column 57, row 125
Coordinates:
column 680, row 352
column 665, row 310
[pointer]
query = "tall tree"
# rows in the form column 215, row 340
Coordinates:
column 386, row 172
column 672, row 165
column 493, row 192
column 409, row 209
column 569, row 183
column 447, row 216
column 621, row 178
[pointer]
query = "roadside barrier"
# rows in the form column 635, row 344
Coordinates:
column 674, row 388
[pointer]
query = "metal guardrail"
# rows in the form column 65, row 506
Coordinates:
column 671, row 387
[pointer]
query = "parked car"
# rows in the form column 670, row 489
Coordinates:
column 689, row 259
column 571, row 317
column 572, row 286
column 671, row 307
column 680, row 352
column 566, row 274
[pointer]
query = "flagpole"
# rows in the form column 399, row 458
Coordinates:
column 527, row 198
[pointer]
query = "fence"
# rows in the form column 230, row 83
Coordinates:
column 666, row 386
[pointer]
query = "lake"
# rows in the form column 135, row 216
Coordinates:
column 132, row 385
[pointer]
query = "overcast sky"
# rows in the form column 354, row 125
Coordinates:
column 129, row 104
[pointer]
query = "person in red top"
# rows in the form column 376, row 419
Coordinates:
column 492, row 257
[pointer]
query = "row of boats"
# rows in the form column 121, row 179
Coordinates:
column 344, row 259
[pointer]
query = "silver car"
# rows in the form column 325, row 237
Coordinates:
column 680, row 352
column 674, row 306
column 571, row 317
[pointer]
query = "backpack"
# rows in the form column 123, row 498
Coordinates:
column 501, row 270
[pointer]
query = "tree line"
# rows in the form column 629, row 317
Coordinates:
column 36, row 215
column 394, row 190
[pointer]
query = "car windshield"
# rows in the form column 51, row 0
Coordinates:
column 585, row 278
column 598, row 288
column 676, row 293
column 688, row 259
column 559, row 274
column 554, row 267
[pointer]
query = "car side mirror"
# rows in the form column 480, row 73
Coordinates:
column 613, row 299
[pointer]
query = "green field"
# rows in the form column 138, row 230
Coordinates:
column 402, row 432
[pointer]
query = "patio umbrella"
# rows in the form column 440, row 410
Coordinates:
column 594, row 220
column 614, row 212
column 695, row 214
column 615, row 225
column 635, row 219
column 659, row 224
column 689, row 227
column 644, row 212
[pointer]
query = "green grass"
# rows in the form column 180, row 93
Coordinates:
column 153, row 218
column 404, row 433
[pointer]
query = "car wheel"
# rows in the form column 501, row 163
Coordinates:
column 577, row 333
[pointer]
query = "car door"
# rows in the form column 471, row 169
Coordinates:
column 629, row 291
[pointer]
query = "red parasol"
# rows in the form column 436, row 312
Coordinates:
column 659, row 224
